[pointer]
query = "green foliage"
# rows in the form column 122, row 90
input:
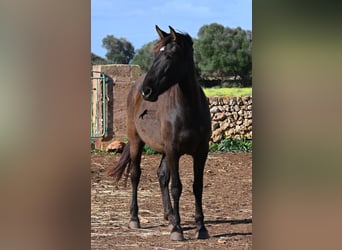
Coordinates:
column 144, row 56
column 223, row 52
column 97, row 60
column 232, row 145
column 149, row 151
column 119, row 50
column 227, row 91
column 102, row 152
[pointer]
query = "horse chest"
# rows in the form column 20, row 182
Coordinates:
column 188, row 133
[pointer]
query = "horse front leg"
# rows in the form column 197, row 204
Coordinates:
column 198, row 164
column 136, row 150
column 176, row 191
column 164, row 179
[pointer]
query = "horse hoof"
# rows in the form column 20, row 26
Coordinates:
column 176, row 236
column 134, row 224
column 202, row 234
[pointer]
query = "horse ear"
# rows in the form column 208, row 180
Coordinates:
column 160, row 32
column 173, row 33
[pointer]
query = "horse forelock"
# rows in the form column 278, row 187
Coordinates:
column 161, row 43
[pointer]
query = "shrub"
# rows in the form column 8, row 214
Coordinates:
column 232, row 145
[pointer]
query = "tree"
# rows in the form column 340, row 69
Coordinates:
column 119, row 50
column 144, row 56
column 223, row 52
column 206, row 50
column 97, row 60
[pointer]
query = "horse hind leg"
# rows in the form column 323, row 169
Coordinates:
column 199, row 163
column 135, row 151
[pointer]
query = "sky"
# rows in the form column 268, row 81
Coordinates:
column 135, row 20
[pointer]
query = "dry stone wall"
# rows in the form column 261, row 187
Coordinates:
column 231, row 117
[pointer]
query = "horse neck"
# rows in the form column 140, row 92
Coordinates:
column 190, row 91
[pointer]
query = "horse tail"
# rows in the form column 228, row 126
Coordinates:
column 124, row 163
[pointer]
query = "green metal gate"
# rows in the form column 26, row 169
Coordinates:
column 98, row 99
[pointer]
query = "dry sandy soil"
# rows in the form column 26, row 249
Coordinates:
column 227, row 205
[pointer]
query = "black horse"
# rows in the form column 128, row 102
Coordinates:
column 168, row 110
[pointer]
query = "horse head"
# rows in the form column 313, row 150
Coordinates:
column 172, row 61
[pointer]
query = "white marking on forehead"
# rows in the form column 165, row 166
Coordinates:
column 162, row 48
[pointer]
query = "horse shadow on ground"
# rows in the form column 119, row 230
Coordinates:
column 231, row 222
column 213, row 222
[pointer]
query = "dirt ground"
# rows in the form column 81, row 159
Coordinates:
column 227, row 205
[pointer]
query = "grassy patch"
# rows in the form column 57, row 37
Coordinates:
column 228, row 91
column 232, row 145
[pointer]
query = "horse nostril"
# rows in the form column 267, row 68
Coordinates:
column 146, row 91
